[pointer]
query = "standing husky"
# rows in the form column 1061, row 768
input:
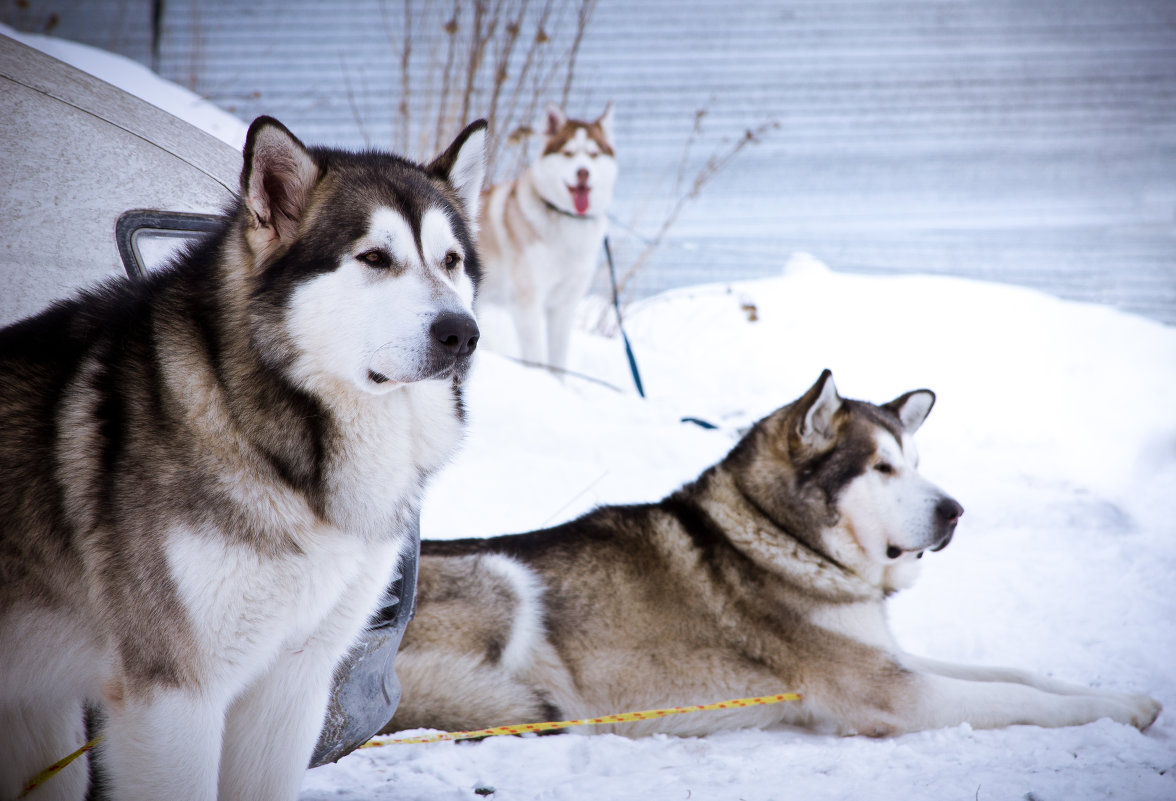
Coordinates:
column 768, row 574
column 209, row 476
column 541, row 236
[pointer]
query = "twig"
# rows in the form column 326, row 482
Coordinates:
column 502, row 56
column 451, row 27
column 583, row 17
column 573, row 499
column 713, row 166
column 355, row 112
column 404, row 107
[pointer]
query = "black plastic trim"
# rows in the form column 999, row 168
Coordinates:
column 132, row 223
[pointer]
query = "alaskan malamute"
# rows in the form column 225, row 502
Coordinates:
column 768, row 574
column 209, row 475
column 541, row 238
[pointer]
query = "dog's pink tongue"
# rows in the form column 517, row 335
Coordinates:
column 580, row 199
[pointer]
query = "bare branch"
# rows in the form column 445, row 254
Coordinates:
column 402, row 142
column 451, row 28
column 494, row 58
column 536, row 51
column 356, row 114
column 583, row 17
column 714, row 165
column 502, row 59
column 484, row 24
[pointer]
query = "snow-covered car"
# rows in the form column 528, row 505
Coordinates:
column 97, row 182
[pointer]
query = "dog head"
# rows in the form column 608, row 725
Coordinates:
column 841, row 476
column 363, row 264
column 577, row 170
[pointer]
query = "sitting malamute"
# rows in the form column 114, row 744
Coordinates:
column 541, row 236
column 768, row 574
column 209, row 475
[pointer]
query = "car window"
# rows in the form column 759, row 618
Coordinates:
column 147, row 239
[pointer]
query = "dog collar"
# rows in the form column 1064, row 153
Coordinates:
column 567, row 213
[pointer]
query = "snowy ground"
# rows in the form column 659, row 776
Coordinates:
column 1055, row 427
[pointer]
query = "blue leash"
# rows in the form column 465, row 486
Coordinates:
column 612, row 272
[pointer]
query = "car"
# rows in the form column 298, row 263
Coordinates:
column 98, row 183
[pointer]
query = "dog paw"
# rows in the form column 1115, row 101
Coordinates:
column 1146, row 711
column 1139, row 711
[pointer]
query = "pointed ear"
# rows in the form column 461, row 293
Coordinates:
column 463, row 165
column 606, row 124
column 555, row 119
column 276, row 180
column 912, row 408
column 814, row 430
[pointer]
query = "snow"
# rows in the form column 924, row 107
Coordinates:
column 1055, row 426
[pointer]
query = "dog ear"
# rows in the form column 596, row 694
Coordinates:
column 813, row 430
column 276, row 180
column 463, row 165
column 555, row 119
column 606, row 124
column 912, row 408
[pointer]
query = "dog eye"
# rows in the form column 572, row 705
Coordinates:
column 884, row 468
column 374, row 258
column 568, row 154
column 452, row 260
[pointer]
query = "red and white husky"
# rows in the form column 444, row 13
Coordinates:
column 541, row 236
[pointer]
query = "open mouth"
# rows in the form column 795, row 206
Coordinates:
column 580, row 197
column 893, row 551
column 456, row 367
column 435, row 369
column 944, row 543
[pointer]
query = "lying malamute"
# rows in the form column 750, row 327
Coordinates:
column 541, row 238
column 768, row 574
column 208, row 477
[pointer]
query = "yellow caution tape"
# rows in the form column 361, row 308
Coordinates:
column 520, row 728
column 58, row 766
column 624, row 717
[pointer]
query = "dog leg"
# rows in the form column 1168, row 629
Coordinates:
column 163, row 745
column 1145, row 708
column 952, row 670
column 559, row 335
column 531, row 325
column 32, row 739
column 272, row 728
column 941, row 701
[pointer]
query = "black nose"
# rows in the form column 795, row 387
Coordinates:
column 948, row 511
column 582, row 175
column 457, row 333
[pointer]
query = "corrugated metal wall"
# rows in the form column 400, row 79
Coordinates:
column 1028, row 141
column 120, row 26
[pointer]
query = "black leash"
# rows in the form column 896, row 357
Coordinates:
column 612, row 272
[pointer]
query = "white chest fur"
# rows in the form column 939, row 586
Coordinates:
column 246, row 603
column 244, row 607
column 386, row 447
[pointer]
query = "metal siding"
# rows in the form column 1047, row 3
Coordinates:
column 1027, row 141
column 119, row 26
